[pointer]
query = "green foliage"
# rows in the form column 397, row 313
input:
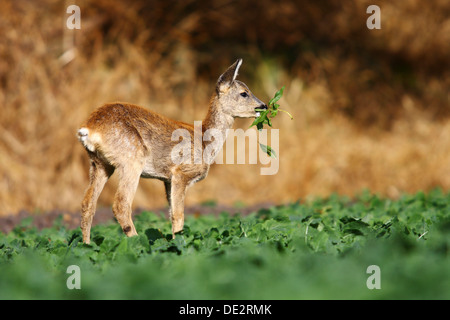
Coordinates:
column 265, row 117
column 268, row 150
column 270, row 112
column 314, row 250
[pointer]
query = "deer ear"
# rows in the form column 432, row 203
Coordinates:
column 227, row 78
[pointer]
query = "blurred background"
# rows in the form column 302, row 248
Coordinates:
column 371, row 107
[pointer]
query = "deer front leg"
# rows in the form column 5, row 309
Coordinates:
column 98, row 176
column 168, row 189
column 128, row 182
column 177, row 196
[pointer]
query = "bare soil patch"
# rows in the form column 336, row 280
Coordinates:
column 71, row 220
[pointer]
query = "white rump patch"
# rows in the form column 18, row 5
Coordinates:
column 83, row 134
column 87, row 141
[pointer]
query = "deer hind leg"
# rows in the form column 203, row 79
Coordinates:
column 177, row 196
column 99, row 173
column 128, row 182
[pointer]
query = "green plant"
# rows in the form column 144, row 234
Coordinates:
column 315, row 250
column 265, row 118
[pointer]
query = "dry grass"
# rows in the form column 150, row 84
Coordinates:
column 371, row 108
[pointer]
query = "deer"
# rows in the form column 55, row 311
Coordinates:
column 136, row 143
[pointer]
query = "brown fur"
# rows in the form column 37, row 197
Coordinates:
column 136, row 142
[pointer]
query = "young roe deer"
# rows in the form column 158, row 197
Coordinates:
column 137, row 142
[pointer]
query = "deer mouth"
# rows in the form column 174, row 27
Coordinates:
column 259, row 109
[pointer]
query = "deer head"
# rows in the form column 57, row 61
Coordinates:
column 234, row 97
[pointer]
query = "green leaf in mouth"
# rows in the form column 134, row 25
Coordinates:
column 265, row 116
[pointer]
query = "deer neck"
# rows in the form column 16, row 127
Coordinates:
column 216, row 119
column 215, row 127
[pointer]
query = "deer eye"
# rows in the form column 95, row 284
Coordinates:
column 244, row 94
